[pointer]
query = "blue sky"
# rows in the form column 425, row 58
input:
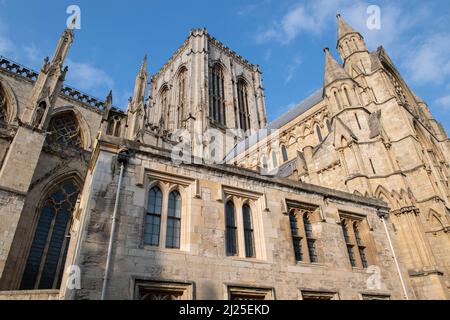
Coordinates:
column 285, row 37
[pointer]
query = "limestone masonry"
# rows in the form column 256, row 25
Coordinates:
column 344, row 197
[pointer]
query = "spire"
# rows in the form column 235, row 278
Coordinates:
column 140, row 83
column 344, row 28
column 65, row 41
column 333, row 70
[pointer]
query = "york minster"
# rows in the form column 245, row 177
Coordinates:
column 343, row 197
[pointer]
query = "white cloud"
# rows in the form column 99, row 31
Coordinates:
column 292, row 68
column 86, row 77
column 33, row 54
column 6, row 45
column 428, row 61
column 444, row 102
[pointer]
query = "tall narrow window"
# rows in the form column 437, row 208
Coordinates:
column 264, row 163
column 46, row 259
column 3, row 106
column 349, row 244
column 248, row 232
column 231, row 229
column 310, row 239
column 338, row 101
column 165, row 108
column 217, row 94
column 153, row 219
column 361, row 247
column 244, row 115
column 181, row 112
column 319, row 133
column 348, row 97
column 174, row 221
column 296, row 237
column 284, row 153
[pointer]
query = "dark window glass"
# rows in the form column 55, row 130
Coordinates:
column 248, row 232
column 244, row 115
column 174, row 221
column 47, row 256
column 153, row 218
column 231, row 229
column 361, row 246
column 217, row 95
column 297, row 240
column 310, row 241
column 284, row 153
column 351, row 255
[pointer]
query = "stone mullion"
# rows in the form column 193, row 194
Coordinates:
column 302, row 234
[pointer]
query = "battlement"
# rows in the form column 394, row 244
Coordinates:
column 86, row 100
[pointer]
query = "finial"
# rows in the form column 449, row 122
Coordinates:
column 338, row 16
column 326, row 50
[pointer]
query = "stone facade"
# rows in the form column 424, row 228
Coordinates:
column 344, row 197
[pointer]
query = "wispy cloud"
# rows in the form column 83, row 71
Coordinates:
column 88, row 77
column 292, row 68
column 6, row 45
column 428, row 60
column 443, row 102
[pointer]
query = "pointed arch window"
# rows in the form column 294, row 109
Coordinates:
column 217, row 94
column 284, row 153
column 3, row 106
column 153, row 218
column 174, row 221
column 244, row 115
column 338, row 101
column 165, row 108
column 47, row 256
column 354, row 240
column 181, row 112
column 248, row 232
column 231, row 229
column 65, row 130
column 296, row 236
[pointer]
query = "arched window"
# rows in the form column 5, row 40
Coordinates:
column 174, row 221
column 284, row 153
column 40, row 111
column 45, row 264
column 217, row 94
column 65, row 130
column 348, row 97
column 296, row 236
column 165, row 108
column 231, row 229
column 310, row 241
column 114, row 126
column 153, row 217
column 3, row 106
column 274, row 159
column 338, row 101
column 181, row 112
column 244, row 115
column 248, row 232
column 319, row 133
